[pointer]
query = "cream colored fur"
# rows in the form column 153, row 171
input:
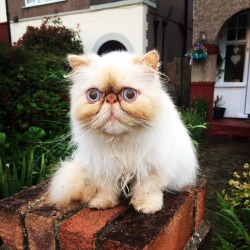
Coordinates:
column 139, row 148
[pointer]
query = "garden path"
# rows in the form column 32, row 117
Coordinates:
column 218, row 160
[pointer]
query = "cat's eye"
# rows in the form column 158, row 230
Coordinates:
column 93, row 95
column 129, row 94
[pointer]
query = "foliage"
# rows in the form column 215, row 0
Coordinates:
column 34, row 94
column 198, row 51
column 218, row 101
column 32, row 89
column 28, row 158
column 194, row 118
column 232, row 221
column 238, row 193
column 52, row 37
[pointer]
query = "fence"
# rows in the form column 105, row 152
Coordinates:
column 178, row 86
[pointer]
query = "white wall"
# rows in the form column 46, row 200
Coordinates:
column 127, row 24
column 233, row 100
column 3, row 17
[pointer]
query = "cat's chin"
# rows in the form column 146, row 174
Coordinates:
column 116, row 130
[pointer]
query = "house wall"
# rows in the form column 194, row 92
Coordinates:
column 18, row 8
column 4, row 29
column 3, row 17
column 175, row 27
column 126, row 24
column 209, row 17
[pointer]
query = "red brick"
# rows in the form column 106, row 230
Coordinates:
column 177, row 233
column 79, row 231
column 170, row 228
column 40, row 227
column 200, row 192
column 12, row 213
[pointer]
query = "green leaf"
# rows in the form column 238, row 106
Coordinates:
column 222, row 203
column 23, row 172
column 36, row 132
column 1, row 180
column 30, row 169
column 42, row 170
column 15, row 181
column 2, row 138
column 230, row 228
column 223, row 244
column 246, row 212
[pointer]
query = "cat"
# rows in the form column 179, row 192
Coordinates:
column 128, row 134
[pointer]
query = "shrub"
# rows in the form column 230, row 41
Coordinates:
column 194, row 118
column 232, row 221
column 33, row 91
column 28, row 158
column 51, row 37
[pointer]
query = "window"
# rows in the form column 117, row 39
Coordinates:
column 234, row 51
column 29, row 3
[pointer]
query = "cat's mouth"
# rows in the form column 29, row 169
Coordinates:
column 113, row 118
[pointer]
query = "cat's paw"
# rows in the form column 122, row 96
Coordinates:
column 70, row 183
column 102, row 202
column 149, row 203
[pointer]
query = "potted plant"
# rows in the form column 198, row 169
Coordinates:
column 199, row 51
column 219, row 111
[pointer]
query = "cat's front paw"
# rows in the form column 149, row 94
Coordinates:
column 102, row 201
column 148, row 203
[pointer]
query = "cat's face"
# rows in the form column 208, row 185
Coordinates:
column 116, row 92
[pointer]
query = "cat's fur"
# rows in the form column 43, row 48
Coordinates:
column 137, row 147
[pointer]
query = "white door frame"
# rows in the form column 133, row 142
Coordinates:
column 242, row 89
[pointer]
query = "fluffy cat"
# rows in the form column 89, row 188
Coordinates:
column 128, row 134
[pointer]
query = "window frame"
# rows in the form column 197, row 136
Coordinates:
column 224, row 42
column 43, row 3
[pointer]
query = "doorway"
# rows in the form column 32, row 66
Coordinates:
column 111, row 46
column 233, row 82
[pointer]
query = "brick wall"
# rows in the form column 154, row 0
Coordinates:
column 27, row 221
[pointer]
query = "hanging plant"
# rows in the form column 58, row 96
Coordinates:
column 198, row 52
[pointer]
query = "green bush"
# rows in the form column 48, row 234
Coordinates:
column 33, row 91
column 28, row 158
column 34, row 104
column 51, row 37
column 195, row 119
column 232, row 221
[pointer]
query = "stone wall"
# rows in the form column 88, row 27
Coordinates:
column 209, row 16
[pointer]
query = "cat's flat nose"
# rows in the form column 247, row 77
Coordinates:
column 111, row 98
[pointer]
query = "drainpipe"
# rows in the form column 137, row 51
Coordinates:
column 164, row 24
column 8, row 20
column 185, row 30
column 156, row 24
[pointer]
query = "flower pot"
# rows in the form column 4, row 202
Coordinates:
column 218, row 113
column 200, row 55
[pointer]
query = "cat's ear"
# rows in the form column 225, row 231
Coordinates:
column 151, row 59
column 78, row 61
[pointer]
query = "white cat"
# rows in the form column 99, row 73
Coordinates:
column 128, row 134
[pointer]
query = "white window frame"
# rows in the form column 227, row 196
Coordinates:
column 220, row 80
column 41, row 2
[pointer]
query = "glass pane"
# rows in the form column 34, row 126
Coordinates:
column 242, row 21
column 231, row 34
column 234, row 63
column 44, row 1
column 232, row 22
column 242, row 34
column 31, row 1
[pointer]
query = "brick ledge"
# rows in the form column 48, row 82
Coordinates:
column 28, row 222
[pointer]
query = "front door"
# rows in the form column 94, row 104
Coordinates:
column 233, row 82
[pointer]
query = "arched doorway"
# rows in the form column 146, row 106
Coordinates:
column 111, row 46
column 233, row 82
